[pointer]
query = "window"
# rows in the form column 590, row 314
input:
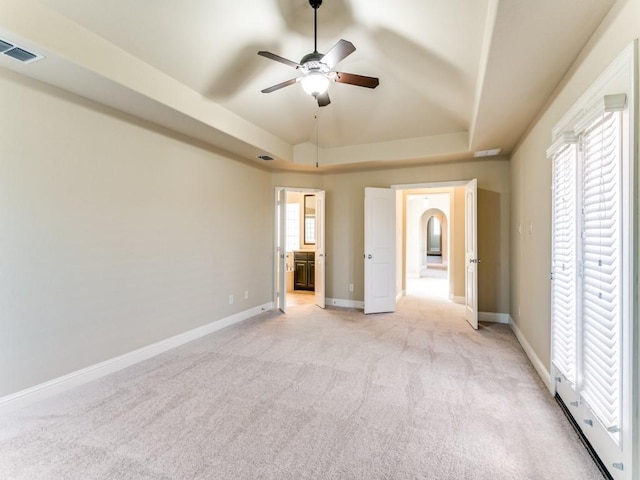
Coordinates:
column 586, row 305
column 293, row 227
column 563, row 261
column 600, row 269
column 591, row 300
column 434, row 238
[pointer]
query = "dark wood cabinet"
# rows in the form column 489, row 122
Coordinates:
column 311, row 279
column 304, row 270
column 301, row 275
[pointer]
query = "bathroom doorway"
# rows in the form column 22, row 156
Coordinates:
column 299, row 269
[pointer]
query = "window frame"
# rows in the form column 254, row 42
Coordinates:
column 615, row 86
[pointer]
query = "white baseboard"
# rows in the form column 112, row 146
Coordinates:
column 459, row 300
column 400, row 294
column 535, row 360
column 340, row 302
column 494, row 317
column 93, row 372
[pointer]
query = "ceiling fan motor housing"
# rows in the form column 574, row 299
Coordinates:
column 312, row 61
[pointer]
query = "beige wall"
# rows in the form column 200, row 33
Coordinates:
column 531, row 180
column 115, row 234
column 345, row 221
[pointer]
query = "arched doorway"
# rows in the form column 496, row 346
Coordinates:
column 434, row 243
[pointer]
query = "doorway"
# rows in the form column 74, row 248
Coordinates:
column 299, row 253
column 429, row 243
column 300, row 248
column 447, row 248
column 440, row 240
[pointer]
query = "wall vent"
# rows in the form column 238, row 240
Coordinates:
column 17, row 53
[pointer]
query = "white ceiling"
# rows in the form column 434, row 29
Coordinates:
column 456, row 76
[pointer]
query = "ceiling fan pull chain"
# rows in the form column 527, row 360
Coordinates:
column 317, row 139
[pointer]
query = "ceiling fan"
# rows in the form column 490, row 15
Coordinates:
column 317, row 68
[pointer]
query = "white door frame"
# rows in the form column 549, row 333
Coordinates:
column 321, row 248
column 426, row 186
column 279, row 242
column 279, row 274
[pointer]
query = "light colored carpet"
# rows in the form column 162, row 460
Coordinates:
column 310, row 395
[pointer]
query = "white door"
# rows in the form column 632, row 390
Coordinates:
column 471, row 249
column 280, row 250
column 379, row 250
column 320, row 250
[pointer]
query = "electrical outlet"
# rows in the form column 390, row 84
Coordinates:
column 246, row 294
column 351, row 287
column 231, row 299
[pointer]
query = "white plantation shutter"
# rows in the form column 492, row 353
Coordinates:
column 564, row 260
column 601, row 272
column 594, row 269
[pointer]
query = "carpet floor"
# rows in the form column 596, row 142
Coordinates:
column 313, row 394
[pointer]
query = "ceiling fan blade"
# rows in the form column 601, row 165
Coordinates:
column 323, row 100
column 281, row 85
column 359, row 80
column 338, row 52
column 278, row 58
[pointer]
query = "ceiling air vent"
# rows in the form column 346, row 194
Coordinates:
column 488, row 153
column 17, row 53
column 4, row 46
column 20, row 54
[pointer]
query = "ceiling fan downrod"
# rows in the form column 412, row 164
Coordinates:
column 315, row 4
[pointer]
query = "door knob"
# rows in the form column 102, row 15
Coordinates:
column 369, row 256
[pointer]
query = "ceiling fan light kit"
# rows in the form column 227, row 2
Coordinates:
column 317, row 69
column 315, row 83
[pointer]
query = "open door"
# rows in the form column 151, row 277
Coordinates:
column 471, row 257
column 379, row 250
column 280, row 246
column 320, row 251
